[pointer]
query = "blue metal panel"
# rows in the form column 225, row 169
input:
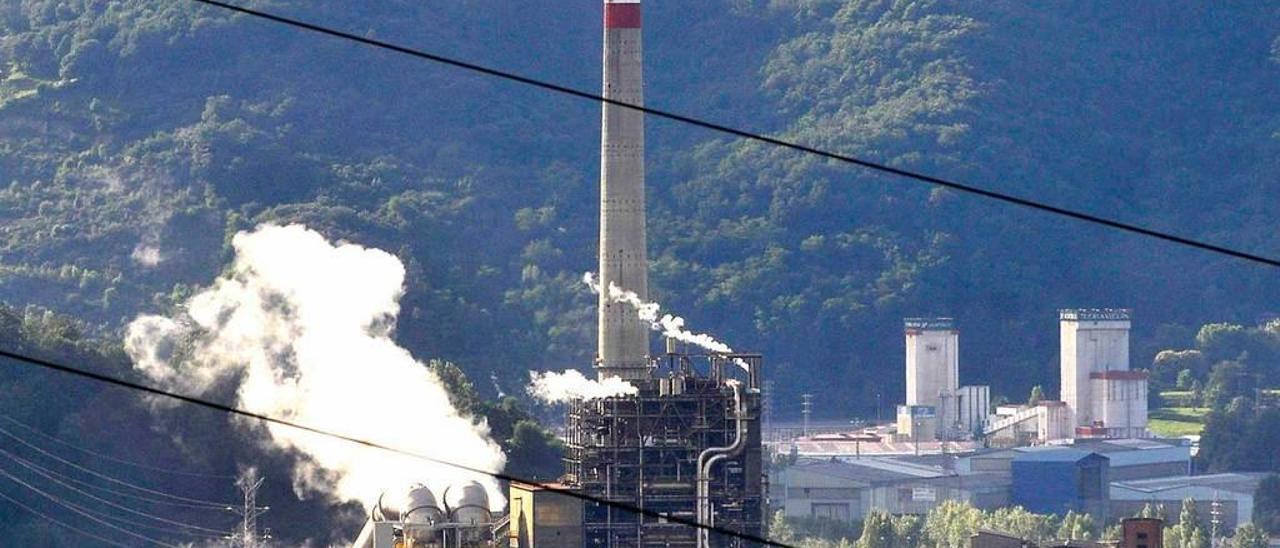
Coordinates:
column 1046, row 486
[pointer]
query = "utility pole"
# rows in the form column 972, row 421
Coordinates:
column 1215, row 513
column 247, row 535
column 806, row 409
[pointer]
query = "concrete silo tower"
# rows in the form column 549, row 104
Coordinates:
column 1103, row 396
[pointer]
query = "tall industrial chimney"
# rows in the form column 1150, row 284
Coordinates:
column 623, row 343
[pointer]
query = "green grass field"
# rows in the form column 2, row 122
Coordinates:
column 1177, row 421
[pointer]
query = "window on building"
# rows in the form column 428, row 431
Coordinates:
column 836, row 511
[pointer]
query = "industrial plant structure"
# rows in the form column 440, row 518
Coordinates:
column 686, row 443
column 1104, row 398
column 415, row 518
column 1101, row 396
column 937, row 407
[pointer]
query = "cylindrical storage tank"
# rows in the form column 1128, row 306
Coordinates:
column 468, row 504
column 420, row 506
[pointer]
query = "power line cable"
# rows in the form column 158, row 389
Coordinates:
column 59, row 523
column 91, row 517
column 110, row 458
column 125, row 494
column 131, row 522
column 191, row 400
column 33, row 468
column 193, row 501
column 775, row 141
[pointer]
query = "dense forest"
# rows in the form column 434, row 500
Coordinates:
column 138, row 137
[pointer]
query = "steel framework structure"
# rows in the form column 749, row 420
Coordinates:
column 643, row 449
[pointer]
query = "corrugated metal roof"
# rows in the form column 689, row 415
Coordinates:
column 1238, row 482
column 1052, row 454
column 869, row 470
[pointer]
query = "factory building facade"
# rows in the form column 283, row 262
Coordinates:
column 1054, row 480
column 937, row 406
column 846, row 490
column 1104, row 398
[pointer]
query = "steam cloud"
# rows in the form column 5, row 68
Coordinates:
column 554, row 387
column 670, row 326
column 303, row 327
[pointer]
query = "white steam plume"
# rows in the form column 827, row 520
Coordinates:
column 670, row 326
column 303, row 327
column 555, row 387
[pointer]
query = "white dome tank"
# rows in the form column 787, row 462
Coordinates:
column 420, row 506
column 468, row 504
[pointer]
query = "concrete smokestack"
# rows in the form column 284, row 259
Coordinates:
column 623, row 343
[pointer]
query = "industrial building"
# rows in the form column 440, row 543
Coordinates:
column 937, row 407
column 1229, row 495
column 933, row 362
column 1055, row 480
column 543, row 517
column 686, row 444
column 1128, row 459
column 1101, row 397
column 846, row 490
column 1104, row 398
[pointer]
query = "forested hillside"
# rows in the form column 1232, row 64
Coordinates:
column 136, row 137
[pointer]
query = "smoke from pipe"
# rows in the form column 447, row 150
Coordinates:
column 302, row 327
column 553, row 387
column 671, row 327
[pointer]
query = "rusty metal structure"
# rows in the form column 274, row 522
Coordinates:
column 695, row 419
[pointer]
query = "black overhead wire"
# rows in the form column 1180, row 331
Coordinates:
column 52, row 476
column 120, row 492
column 191, row 400
column 172, row 499
column 60, row 523
column 721, row 128
column 109, row 458
column 56, row 500
column 168, row 528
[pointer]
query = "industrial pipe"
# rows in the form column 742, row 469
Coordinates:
column 711, row 456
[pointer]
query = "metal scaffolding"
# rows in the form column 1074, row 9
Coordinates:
column 643, row 449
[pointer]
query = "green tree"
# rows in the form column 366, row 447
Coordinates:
column 1112, row 533
column 1168, row 365
column 780, row 530
column 877, row 531
column 1037, row 396
column 907, row 531
column 1185, row 378
column 1249, row 535
column 950, row 524
column 1020, row 522
column 1221, row 341
column 1228, row 380
column 1189, row 532
column 533, row 452
column 1077, row 527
